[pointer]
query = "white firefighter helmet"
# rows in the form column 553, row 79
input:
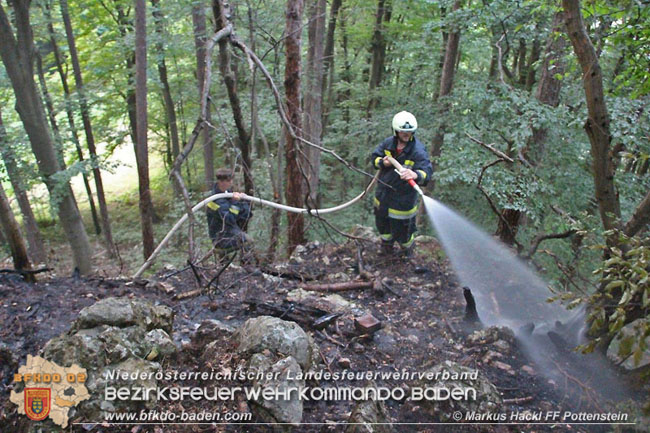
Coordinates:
column 404, row 121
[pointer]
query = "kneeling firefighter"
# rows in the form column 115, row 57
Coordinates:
column 227, row 217
column 396, row 202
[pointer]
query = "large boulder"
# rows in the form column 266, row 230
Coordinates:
column 454, row 376
column 124, row 312
column 281, row 376
column 278, row 336
column 114, row 335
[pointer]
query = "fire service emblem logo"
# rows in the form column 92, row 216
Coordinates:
column 37, row 403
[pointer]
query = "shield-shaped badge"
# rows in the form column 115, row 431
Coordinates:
column 37, row 403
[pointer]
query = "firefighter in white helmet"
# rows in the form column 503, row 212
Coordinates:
column 396, row 202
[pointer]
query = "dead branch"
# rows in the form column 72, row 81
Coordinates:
column 328, row 338
column 490, row 202
column 24, row 271
column 518, row 400
column 589, row 392
column 490, row 147
column 540, row 238
column 190, row 294
column 339, row 287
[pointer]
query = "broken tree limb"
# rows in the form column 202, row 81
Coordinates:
column 540, row 238
column 339, row 287
column 490, row 147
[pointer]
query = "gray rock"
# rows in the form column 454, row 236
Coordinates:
column 487, row 397
column 160, row 341
column 334, row 303
column 124, row 312
column 278, row 336
column 278, row 410
column 491, row 335
column 369, row 416
column 111, row 335
column 627, row 339
column 364, row 232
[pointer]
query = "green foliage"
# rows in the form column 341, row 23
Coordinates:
column 623, row 296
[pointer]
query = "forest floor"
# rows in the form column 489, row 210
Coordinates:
column 420, row 306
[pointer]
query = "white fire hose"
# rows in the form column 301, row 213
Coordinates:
column 243, row 196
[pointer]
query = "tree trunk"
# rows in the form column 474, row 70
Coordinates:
column 34, row 239
column 328, row 65
column 346, row 76
column 88, row 130
column 51, row 114
column 534, row 57
column 168, row 101
column 68, row 109
column 313, row 97
column 293, row 192
column 17, row 55
column 229, row 78
column 198, row 20
column 520, row 64
column 597, row 124
column 14, row 237
column 548, row 92
column 141, row 146
column 446, row 84
column 548, row 88
column 378, row 50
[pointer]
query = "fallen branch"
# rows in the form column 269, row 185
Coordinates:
column 517, row 400
column 339, row 287
column 190, row 294
column 24, row 271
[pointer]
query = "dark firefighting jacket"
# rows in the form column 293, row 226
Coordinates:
column 226, row 219
column 397, row 198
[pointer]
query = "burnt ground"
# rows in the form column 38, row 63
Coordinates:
column 418, row 302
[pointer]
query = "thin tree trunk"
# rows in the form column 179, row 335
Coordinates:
column 34, row 239
column 378, row 50
column 229, row 78
column 313, row 97
column 256, row 130
column 68, row 109
column 17, row 55
column 328, row 64
column 520, row 65
column 198, row 19
column 14, row 237
column 534, row 57
column 548, row 92
column 346, row 76
column 294, row 193
column 88, row 130
column 168, row 101
column 141, row 146
column 597, row 124
column 548, row 88
column 446, row 84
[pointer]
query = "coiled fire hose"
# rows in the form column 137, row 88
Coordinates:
column 204, row 202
